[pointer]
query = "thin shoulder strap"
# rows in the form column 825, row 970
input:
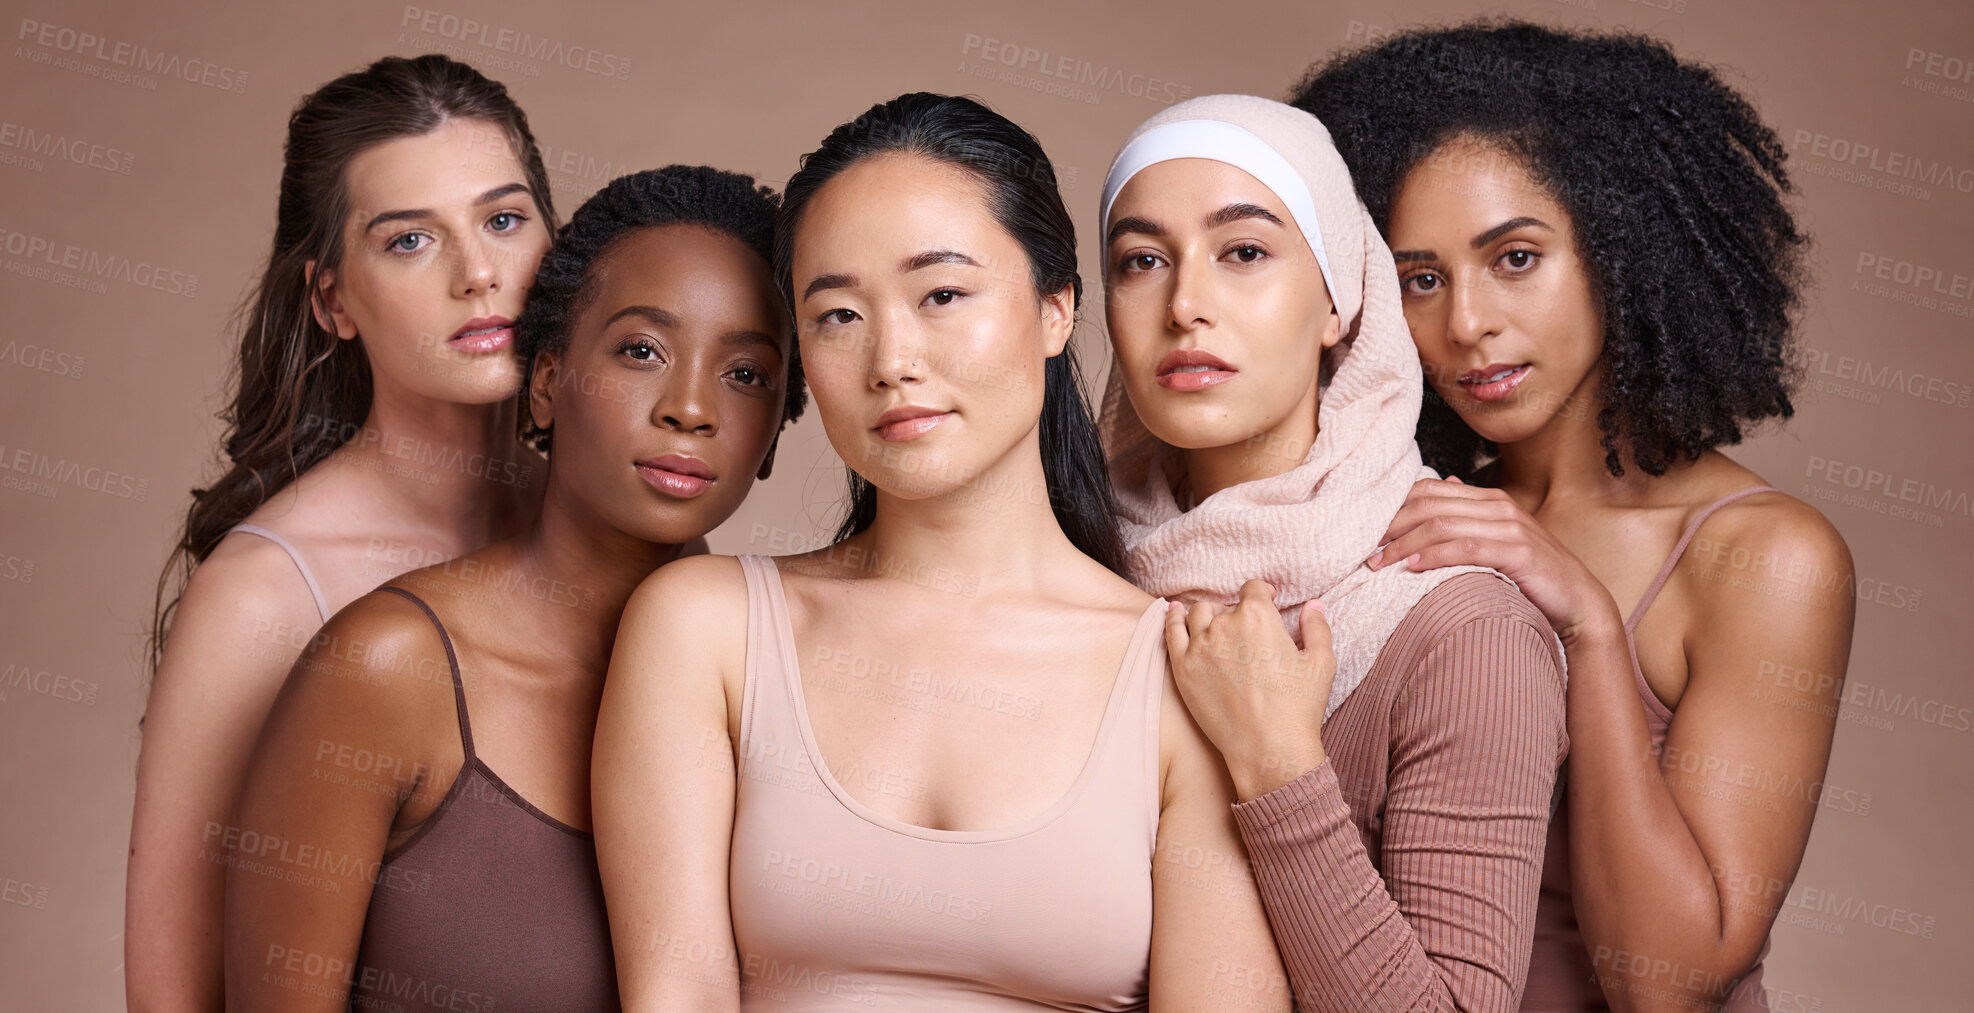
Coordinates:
column 314, row 589
column 452, row 661
column 1692, row 528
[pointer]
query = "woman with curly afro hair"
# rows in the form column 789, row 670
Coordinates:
column 1601, row 274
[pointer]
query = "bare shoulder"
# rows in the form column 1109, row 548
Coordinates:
column 245, row 596
column 689, row 591
column 382, row 664
column 381, row 639
column 688, row 615
column 1767, row 540
column 1781, row 526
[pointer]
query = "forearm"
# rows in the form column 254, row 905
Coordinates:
column 173, row 958
column 1344, row 941
column 1645, row 894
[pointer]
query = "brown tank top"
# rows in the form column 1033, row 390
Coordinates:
column 1561, row 978
column 491, row 905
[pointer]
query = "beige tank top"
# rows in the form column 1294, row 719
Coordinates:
column 837, row 906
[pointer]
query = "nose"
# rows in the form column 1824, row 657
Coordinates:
column 1472, row 313
column 685, row 401
column 1192, row 304
column 476, row 272
column 897, row 352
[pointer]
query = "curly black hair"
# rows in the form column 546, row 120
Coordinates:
column 1676, row 190
column 727, row 202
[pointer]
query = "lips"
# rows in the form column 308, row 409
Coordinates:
column 908, row 422
column 677, row 475
column 483, row 334
column 1494, row 381
column 1189, row 369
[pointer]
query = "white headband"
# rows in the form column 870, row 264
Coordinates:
column 1222, row 142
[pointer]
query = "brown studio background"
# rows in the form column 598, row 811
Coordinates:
column 110, row 378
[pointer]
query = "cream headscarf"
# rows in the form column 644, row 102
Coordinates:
column 1306, row 531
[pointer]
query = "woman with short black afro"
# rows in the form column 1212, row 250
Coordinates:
column 675, row 195
column 1600, row 271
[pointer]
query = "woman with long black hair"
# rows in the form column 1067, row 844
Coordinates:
column 937, row 764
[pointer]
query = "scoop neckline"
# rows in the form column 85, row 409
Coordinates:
column 785, row 623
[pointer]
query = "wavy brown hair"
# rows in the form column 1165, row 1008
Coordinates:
column 299, row 391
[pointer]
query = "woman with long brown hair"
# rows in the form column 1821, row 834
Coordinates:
column 373, row 430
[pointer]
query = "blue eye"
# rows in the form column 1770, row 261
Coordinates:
column 397, row 245
column 507, row 216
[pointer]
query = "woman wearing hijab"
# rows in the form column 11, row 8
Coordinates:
column 1393, row 796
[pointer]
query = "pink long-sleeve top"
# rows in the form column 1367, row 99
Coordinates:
column 1402, row 872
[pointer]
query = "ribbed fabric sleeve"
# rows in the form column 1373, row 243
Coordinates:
column 1402, row 872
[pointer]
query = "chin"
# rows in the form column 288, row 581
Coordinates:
column 1201, row 428
column 1510, row 423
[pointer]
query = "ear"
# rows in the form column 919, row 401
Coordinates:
column 1333, row 328
column 541, row 386
column 1059, row 320
column 768, row 462
column 327, row 302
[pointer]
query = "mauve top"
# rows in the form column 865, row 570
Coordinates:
column 490, row 906
column 1401, row 873
column 1408, row 870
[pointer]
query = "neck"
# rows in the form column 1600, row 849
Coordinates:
column 1565, row 458
column 456, row 466
column 1271, row 452
column 574, row 559
column 996, row 533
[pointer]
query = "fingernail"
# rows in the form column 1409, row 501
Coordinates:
column 1375, row 557
column 1412, row 561
column 1319, row 606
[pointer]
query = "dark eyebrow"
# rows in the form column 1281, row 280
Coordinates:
column 918, row 261
column 486, row 198
column 734, row 339
column 1225, row 216
column 1238, row 212
column 829, row 281
column 1407, row 256
column 657, row 317
column 1133, row 224
column 1506, row 227
column 912, row 263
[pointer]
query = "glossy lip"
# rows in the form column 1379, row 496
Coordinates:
column 1471, row 380
column 1168, row 376
column 908, row 422
column 495, row 334
column 677, row 474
